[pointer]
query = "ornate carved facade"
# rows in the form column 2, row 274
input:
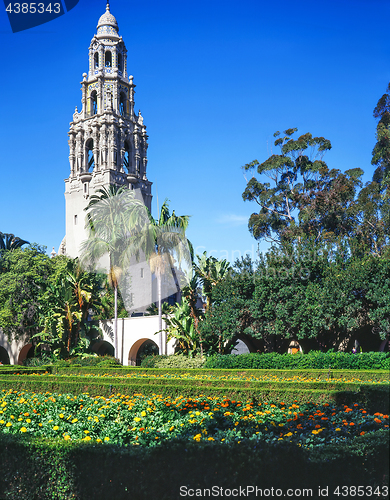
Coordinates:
column 107, row 140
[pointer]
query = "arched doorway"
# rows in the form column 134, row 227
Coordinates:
column 4, row 357
column 141, row 349
column 294, row 347
column 103, row 348
column 241, row 347
column 26, row 351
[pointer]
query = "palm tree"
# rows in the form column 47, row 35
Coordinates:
column 113, row 215
column 9, row 241
column 162, row 241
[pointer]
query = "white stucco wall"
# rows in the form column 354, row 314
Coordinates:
column 132, row 333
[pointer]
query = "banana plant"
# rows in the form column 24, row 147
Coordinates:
column 180, row 326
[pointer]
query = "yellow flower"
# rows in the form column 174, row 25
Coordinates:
column 8, row 424
column 338, row 429
column 143, row 413
column 67, row 437
column 20, row 419
column 106, row 439
column 171, row 428
column 61, row 415
column 86, row 432
column 87, row 438
column 28, row 420
column 40, row 425
column 210, row 439
column 98, row 440
column 23, row 429
column 2, row 422
column 55, row 428
column 137, row 419
column 74, row 420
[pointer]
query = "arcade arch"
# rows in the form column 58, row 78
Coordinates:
column 142, row 345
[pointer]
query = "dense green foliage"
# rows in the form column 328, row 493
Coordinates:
column 312, row 360
column 325, row 301
column 24, row 274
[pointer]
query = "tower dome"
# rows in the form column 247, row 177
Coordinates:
column 107, row 24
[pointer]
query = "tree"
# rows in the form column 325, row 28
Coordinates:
column 24, row 274
column 180, row 326
column 228, row 315
column 381, row 151
column 306, row 198
column 9, row 241
column 162, row 241
column 113, row 215
column 65, row 308
column 210, row 271
column 192, row 294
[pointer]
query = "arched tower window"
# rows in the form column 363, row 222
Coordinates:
column 120, row 63
column 96, row 60
column 90, row 158
column 122, row 104
column 127, row 158
column 108, row 59
column 94, row 102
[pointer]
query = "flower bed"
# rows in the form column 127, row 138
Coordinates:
column 149, row 420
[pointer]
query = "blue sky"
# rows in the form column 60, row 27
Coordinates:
column 215, row 79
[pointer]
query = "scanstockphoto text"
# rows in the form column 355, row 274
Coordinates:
column 251, row 491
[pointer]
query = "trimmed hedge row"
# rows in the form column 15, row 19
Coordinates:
column 366, row 375
column 12, row 369
column 372, row 397
column 33, row 469
column 188, row 383
column 313, row 359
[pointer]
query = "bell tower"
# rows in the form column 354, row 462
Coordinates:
column 107, row 140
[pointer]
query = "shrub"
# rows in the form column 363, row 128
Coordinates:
column 311, row 360
column 38, row 361
column 174, row 361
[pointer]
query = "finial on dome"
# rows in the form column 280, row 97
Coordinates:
column 108, row 5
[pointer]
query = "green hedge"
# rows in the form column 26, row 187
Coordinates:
column 366, row 375
column 311, row 360
column 173, row 361
column 18, row 369
column 33, row 469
